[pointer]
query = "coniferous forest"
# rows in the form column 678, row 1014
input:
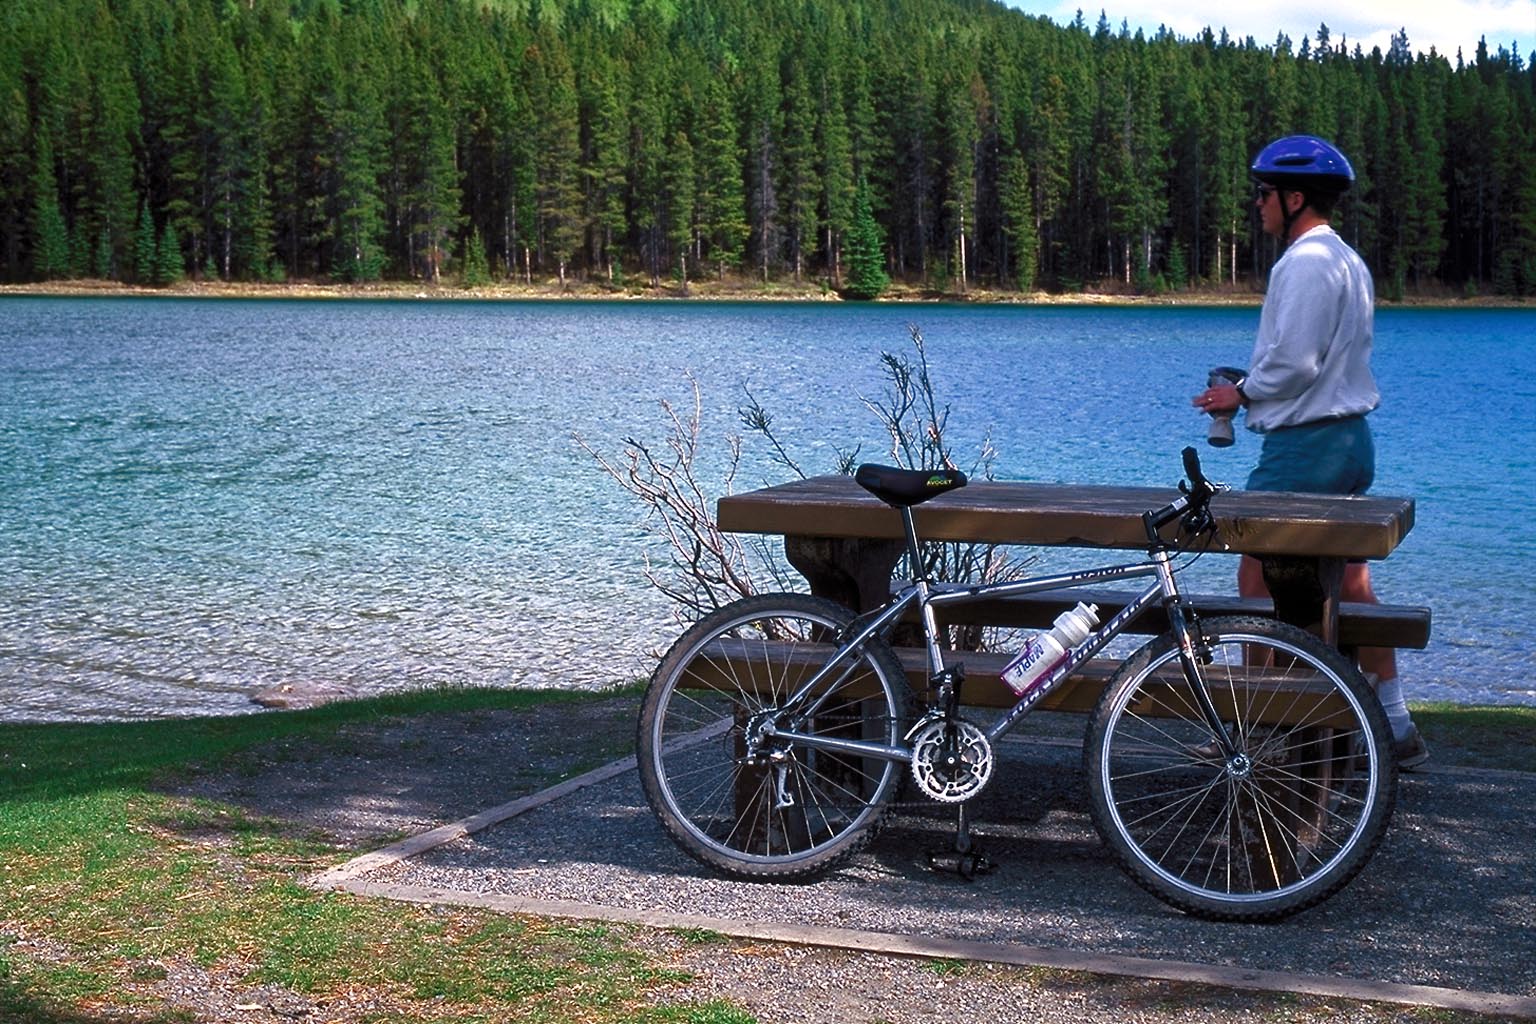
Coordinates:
column 963, row 143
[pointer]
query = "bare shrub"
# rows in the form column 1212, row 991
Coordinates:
column 706, row 568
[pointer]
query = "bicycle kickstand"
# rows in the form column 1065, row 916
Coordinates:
column 964, row 859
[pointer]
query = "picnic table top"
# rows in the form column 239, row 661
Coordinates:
column 1076, row 515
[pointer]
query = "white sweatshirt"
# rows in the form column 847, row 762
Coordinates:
column 1312, row 358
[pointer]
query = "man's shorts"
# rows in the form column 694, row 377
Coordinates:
column 1327, row 457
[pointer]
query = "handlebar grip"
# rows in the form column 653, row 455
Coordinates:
column 1197, row 480
column 1193, row 503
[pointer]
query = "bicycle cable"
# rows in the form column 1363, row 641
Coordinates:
column 1193, row 556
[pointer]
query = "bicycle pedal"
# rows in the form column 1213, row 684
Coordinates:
column 966, row 865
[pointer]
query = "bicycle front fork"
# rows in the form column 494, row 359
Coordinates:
column 1193, row 652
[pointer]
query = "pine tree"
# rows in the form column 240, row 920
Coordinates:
column 103, row 262
column 680, row 202
column 15, row 159
column 234, row 180
column 603, row 169
column 649, row 156
column 867, row 278
column 964, row 108
column 428, row 200
column 835, row 172
column 187, row 127
column 719, row 199
column 476, row 271
column 798, row 185
column 557, row 158
column 254, row 226
column 51, row 241
column 144, row 248
column 763, row 118
column 1178, row 267
column 1019, row 221
column 169, row 266
column 354, row 146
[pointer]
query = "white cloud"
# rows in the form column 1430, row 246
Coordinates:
column 1444, row 24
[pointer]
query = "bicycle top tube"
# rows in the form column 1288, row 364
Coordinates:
column 964, row 593
column 904, row 489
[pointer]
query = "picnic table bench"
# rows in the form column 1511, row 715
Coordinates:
column 846, row 543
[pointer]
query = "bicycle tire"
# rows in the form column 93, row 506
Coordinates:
column 723, row 807
column 1279, row 827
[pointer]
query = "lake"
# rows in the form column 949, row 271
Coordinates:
column 203, row 498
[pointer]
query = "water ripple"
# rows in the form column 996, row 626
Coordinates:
column 199, row 500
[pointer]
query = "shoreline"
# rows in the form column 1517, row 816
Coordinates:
column 302, row 696
column 734, row 290
column 553, row 291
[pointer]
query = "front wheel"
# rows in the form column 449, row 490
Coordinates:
column 1276, row 822
column 732, row 794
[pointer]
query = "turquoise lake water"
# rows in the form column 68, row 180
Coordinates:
column 199, row 499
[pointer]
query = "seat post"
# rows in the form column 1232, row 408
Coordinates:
column 914, row 552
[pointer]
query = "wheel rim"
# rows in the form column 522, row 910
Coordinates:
column 1275, row 818
column 737, row 792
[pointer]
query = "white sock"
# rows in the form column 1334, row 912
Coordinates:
column 1390, row 693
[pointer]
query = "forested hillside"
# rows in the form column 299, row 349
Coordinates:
column 145, row 140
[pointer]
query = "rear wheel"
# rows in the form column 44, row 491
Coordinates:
column 1277, row 824
column 731, row 794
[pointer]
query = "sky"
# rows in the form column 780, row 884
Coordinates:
column 1444, row 24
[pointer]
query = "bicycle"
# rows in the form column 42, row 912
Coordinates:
column 1238, row 768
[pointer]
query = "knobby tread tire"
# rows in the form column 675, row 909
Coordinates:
column 709, row 800
column 1313, row 799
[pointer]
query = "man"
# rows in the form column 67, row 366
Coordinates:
column 1309, row 384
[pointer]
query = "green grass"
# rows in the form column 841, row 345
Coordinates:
column 1478, row 737
column 117, row 880
column 52, row 761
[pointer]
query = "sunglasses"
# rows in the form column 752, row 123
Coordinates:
column 1264, row 192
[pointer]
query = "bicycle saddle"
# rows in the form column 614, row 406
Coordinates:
column 904, row 488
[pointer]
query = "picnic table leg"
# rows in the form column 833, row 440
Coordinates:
column 1306, row 593
column 854, row 572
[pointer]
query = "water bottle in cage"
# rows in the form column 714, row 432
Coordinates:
column 1044, row 651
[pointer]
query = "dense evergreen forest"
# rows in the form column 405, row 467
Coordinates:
column 608, row 140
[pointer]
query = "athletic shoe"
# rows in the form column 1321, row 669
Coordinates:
column 1410, row 751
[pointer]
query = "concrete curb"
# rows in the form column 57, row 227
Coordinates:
column 338, row 876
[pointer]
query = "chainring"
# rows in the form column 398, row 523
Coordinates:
column 951, row 761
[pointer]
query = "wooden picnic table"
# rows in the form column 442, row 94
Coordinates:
column 846, row 542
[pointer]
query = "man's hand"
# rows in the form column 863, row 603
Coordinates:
column 1218, row 399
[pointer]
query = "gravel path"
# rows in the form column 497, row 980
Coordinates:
column 1455, row 879
column 1448, row 901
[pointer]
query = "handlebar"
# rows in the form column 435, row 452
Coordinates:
column 1193, row 505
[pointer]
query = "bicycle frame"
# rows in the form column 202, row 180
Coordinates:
column 921, row 593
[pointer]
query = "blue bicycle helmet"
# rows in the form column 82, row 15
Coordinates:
column 1303, row 163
